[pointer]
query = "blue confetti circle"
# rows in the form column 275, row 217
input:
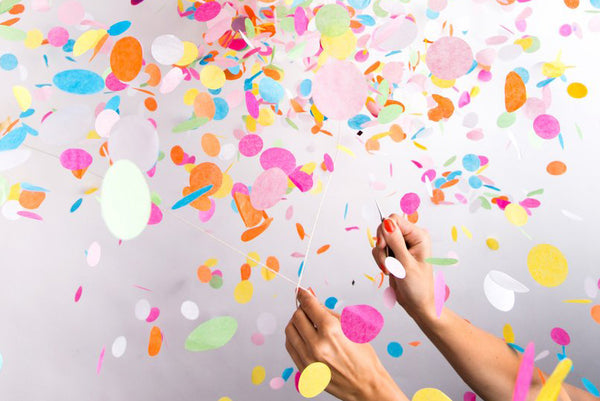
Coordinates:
column 8, row 62
column 395, row 349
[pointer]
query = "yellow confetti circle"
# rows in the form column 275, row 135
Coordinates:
column 252, row 258
column 314, row 379
column 547, row 265
column 430, row 394
column 258, row 375
column 492, row 243
column 225, row 399
column 577, row 90
column 212, row 77
column 516, row 214
column 190, row 54
column 243, row 292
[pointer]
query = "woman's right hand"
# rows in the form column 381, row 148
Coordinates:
column 411, row 246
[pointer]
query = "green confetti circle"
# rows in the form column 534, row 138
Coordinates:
column 332, row 20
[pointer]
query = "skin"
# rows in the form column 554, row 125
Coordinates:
column 314, row 334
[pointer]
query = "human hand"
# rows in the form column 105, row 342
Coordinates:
column 411, row 246
column 314, row 334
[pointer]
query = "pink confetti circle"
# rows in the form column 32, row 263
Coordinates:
column 268, row 188
column 449, row 58
column 278, row 157
column 546, row 126
column 339, row 90
column 257, row 339
column 361, row 323
column 207, row 11
column 410, row 203
column 560, row 336
column 250, row 145
column 58, row 36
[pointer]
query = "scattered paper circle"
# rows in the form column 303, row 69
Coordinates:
column 125, row 200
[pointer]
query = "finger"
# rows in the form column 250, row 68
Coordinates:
column 296, row 342
column 304, row 326
column 379, row 256
column 313, row 309
column 381, row 244
column 416, row 239
column 395, row 240
column 300, row 364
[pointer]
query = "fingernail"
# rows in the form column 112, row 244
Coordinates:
column 389, row 225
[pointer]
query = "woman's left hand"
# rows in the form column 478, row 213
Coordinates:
column 314, row 334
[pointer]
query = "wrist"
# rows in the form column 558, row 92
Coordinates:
column 382, row 388
column 428, row 320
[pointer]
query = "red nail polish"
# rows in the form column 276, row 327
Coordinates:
column 389, row 226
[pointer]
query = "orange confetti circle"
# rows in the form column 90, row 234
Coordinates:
column 595, row 312
column 572, row 3
column 151, row 104
column 556, row 168
column 126, row 59
column 204, row 274
column 211, row 145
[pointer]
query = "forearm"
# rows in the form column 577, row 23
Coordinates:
column 486, row 363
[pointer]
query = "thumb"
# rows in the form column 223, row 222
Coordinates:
column 395, row 240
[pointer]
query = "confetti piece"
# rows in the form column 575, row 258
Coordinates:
column 395, row 350
column 100, row 360
column 430, row 394
column 332, row 20
column 167, row 49
column 516, row 214
column 546, row 126
column 212, row 76
column 243, row 292
column 394, row 267
column 93, row 254
column 410, row 203
column 212, row 334
column 525, row 374
column 78, row 294
column 258, row 375
column 314, row 379
column 361, row 323
column 119, row 346
column 501, row 298
column 155, row 341
column 556, row 168
column 577, row 90
column 76, row 160
column 441, row 261
column 126, row 59
column 125, row 200
column 449, row 58
column 515, row 92
column 560, row 336
column 186, row 200
column 331, row 93
column 269, row 188
column 551, row 388
column 547, row 265
column 79, row 82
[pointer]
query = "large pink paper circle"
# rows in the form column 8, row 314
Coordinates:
column 339, row 90
column 268, row 188
column 449, row 58
column 361, row 323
